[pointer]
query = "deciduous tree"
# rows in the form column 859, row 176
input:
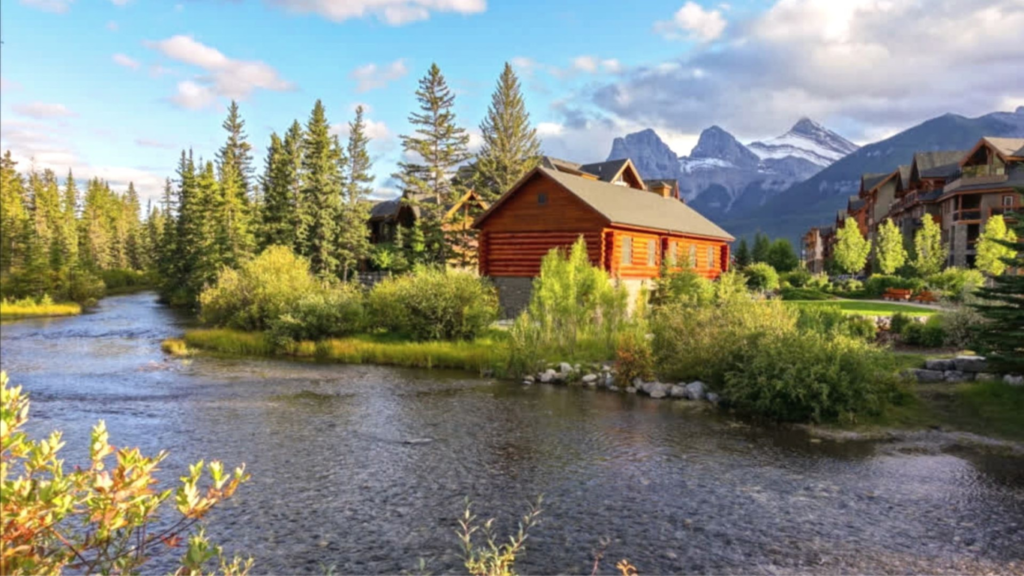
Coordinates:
column 889, row 251
column 852, row 249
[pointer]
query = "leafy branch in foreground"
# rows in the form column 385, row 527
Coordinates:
column 98, row 519
column 489, row 558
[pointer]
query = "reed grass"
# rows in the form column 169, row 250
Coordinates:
column 175, row 347
column 28, row 308
column 227, row 341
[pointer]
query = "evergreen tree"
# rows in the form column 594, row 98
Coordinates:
column 782, row 257
column 929, row 253
column 852, row 249
column 889, row 251
column 761, row 247
column 234, row 215
column 992, row 246
column 320, row 197
column 167, row 256
column 14, row 215
column 353, row 231
column 96, row 246
column 69, row 223
column 743, row 258
column 510, row 145
column 281, row 186
column 1002, row 338
column 441, row 146
column 131, row 208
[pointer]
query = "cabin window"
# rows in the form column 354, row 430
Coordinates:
column 627, row 251
column 652, row 253
column 1008, row 200
column 692, row 263
column 711, row 257
column 542, row 198
column 672, row 257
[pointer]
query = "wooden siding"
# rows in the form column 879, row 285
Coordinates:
column 640, row 267
column 520, row 253
column 563, row 212
column 713, row 268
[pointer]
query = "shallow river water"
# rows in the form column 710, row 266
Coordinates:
column 366, row 468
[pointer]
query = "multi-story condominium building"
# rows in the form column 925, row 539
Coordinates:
column 960, row 189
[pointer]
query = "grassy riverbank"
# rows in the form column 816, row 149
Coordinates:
column 28, row 308
column 867, row 308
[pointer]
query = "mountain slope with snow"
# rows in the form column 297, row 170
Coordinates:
column 807, row 140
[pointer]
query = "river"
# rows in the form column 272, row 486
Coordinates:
column 366, row 468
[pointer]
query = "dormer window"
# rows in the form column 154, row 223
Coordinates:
column 542, row 198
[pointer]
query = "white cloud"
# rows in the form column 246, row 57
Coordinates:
column 150, row 143
column 112, row 26
column 585, row 64
column 126, row 61
column 55, row 6
column 193, row 96
column 42, row 110
column 371, row 76
column 42, row 146
column 375, row 130
column 391, row 12
column 549, row 129
column 8, row 85
column 694, row 22
column 611, row 65
column 227, row 77
column 868, row 65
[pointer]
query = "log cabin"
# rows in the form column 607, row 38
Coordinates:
column 387, row 215
column 630, row 228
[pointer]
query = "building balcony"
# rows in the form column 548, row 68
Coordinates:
column 967, row 215
column 969, row 180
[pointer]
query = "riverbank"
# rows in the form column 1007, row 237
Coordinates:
column 26, row 308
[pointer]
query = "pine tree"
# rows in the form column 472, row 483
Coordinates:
column 353, row 232
column 234, row 215
column 889, row 251
column 442, row 146
column 134, row 242
column 320, row 197
column 852, row 249
column 1002, row 338
column 929, row 253
column 992, row 248
column 14, row 215
column 167, row 256
column 510, row 145
column 68, row 230
column 761, row 247
column 743, row 254
column 782, row 257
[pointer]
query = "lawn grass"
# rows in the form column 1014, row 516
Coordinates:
column 31, row 309
column 868, row 308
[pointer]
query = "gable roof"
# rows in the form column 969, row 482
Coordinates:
column 869, row 181
column 624, row 206
column 940, row 164
column 904, row 170
column 1007, row 147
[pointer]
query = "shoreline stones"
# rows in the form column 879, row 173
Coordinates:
column 603, row 376
column 959, row 369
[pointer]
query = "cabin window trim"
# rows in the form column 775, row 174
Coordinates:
column 1007, row 200
column 692, row 263
column 711, row 257
column 627, row 250
column 652, row 252
column 672, row 252
column 542, row 198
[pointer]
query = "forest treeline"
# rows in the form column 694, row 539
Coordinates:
column 311, row 195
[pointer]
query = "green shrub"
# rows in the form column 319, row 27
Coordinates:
column 633, row 357
column 798, row 278
column 819, row 282
column 878, row 284
column 803, row 294
column 432, row 304
column 802, row 376
column 684, row 286
column 931, row 334
column 955, row 283
column 123, row 279
column 828, row 319
column 259, row 292
column 961, row 324
column 83, row 286
column 899, row 322
column 332, row 312
column 847, row 286
column 761, row 276
column 731, row 286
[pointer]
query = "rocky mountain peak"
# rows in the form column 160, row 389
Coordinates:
column 651, row 156
column 716, row 143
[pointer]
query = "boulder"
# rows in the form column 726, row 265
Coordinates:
column 971, row 364
column 565, row 368
column 926, row 376
column 985, row 376
column 678, row 391
column 713, row 398
column 630, row 390
column 658, row 393
column 548, row 376
column 652, row 388
column 955, row 376
column 590, row 379
column 1014, row 379
column 528, row 380
column 942, row 364
column 695, row 390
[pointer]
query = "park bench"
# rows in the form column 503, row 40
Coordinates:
column 897, row 294
column 926, row 297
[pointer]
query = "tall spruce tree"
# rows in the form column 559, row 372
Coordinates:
column 14, row 215
column 320, row 196
column 237, row 150
column 510, row 145
column 69, row 222
column 353, row 232
column 1002, row 303
column 762, row 244
column 743, row 254
column 234, row 216
column 441, row 146
column 889, row 252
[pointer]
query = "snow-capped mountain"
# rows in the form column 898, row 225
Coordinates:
column 808, row 140
column 722, row 175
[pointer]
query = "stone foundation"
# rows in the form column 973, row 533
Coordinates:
column 513, row 294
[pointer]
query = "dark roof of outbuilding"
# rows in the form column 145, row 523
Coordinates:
column 941, row 164
column 605, row 171
column 385, row 209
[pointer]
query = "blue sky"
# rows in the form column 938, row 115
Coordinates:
column 117, row 88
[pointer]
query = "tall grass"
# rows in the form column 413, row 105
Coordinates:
column 31, row 308
column 228, row 341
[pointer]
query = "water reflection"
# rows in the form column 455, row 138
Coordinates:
column 366, row 468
